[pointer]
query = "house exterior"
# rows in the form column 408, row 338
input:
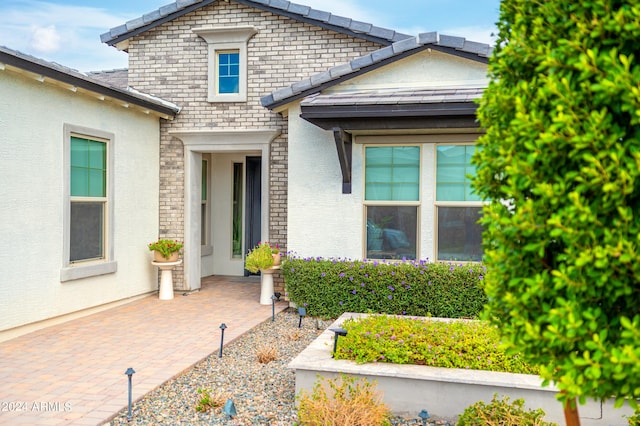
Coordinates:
column 263, row 151
column 380, row 147
column 224, row 159
column 236, row 122
column 81, row 158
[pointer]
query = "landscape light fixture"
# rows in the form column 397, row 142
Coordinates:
column 339, row 332
column 302, row 312
column 277, row 294
column 129, row 373
column 273, row 307
column 230, row 408
column 424, row 416
column 223, row 326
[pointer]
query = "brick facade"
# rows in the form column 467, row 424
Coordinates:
column 170, row 61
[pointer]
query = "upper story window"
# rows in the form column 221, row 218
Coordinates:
column 227, row 62
column 228, row 72
column 459, row 235
column 392, row 199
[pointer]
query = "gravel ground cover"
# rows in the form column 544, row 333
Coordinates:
column 263, row 394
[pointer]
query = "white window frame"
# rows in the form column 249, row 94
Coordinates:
column 366, row 203
column 437, row 204
column 87, row 268
column 220, row 40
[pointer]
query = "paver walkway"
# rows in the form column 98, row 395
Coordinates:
column 73, row 373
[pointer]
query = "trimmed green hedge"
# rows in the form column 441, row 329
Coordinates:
column 328, row 288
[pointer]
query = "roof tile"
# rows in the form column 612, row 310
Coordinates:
column 319, row 15
column 381, row 54
column 382, row 32
column 362, row 62
column 301, row 86
column 168, row 9
column 151, row 17
column 279, row 4
column 451, row 41
column 340, row 70
column 404, row 45
column 283, row 93
column 428, row 38
column 299, row 9
column 481, row 49
column 360, row 27
column 134, row 23
column 340, row 21
column 318, row 79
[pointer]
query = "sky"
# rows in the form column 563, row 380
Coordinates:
column 68, row 31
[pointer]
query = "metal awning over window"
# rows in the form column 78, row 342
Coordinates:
column 392, row 110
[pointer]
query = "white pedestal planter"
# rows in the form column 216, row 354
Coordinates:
column 166, row 278
column 266, row 284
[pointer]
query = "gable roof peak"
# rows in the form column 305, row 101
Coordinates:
column 458, row 46
column 300, row 12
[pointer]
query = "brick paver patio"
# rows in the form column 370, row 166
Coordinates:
column 73, row 373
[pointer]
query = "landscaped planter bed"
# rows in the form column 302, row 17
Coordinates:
column 444, row 392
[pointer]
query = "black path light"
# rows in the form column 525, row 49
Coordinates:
column 424, row 416
column 273, row 307
column 302, row 312
column 230, row 408
column 339, row 332
column 129, row 373
column 223, row 326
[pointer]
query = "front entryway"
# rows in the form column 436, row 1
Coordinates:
column 233, row 214
column 208, row 224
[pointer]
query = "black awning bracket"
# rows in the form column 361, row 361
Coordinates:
column 344, row 148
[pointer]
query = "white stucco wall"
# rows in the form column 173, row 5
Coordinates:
column 325, row 222
column 32, row 117
column 322, row 220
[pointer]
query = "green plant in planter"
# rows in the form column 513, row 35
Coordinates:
column 165, row 247
column 261, row 257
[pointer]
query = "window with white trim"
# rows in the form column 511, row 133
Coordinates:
column 392, row 201
column 458, row 208
column 88, row 236
column 227, row 59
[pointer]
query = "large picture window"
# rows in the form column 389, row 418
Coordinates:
column 88, row 184
column 392, row 200
column 459, row 235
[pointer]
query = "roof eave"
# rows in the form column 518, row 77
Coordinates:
column 271, row 104
column 139, row 30
column 84, row 83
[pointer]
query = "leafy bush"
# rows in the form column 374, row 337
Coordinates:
column 401, row 340
column 342, row 401
column 502, row 413
column 328, row 288
column 560, row 161
column 635, row 419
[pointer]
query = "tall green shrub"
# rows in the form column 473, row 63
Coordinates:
column 328, row 288
column 561, row 162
